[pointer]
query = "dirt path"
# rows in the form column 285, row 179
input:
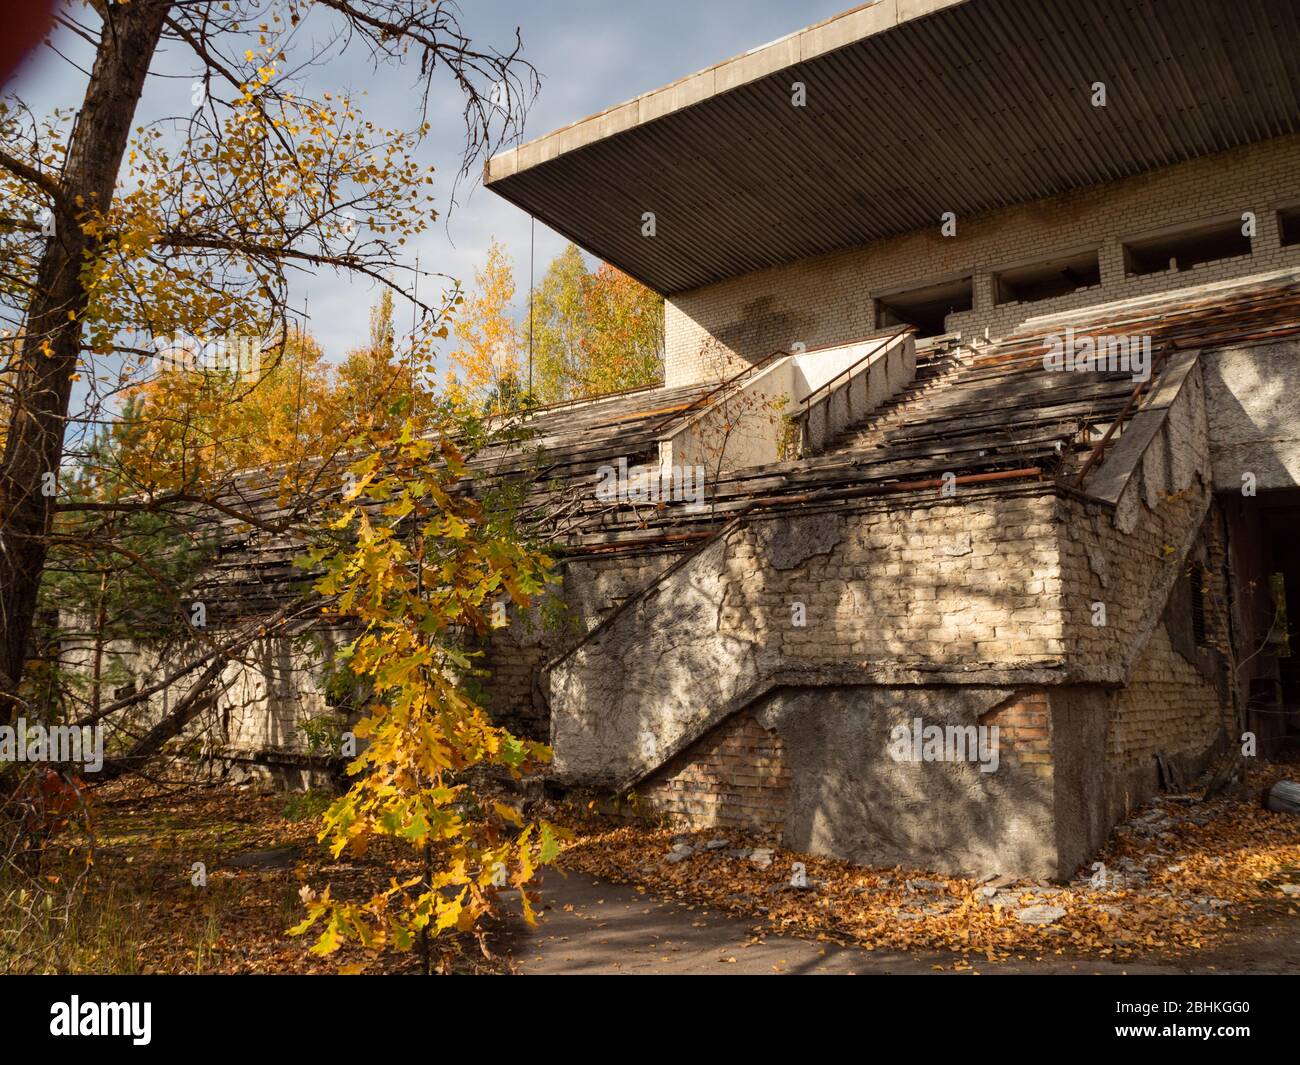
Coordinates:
column 595, row 927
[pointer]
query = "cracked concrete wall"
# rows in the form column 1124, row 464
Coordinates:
column 621, row 702
column 516, row 692
column 1253, row 399
column 851, row 799
column 811, row 769
column 914, row 590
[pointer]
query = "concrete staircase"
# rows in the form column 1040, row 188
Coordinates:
column 933, row 373
column 656, row 673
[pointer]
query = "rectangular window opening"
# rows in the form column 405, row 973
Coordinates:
column 1205, row 242
column 1288, row 225
column 1047, row 280
column 926, row 307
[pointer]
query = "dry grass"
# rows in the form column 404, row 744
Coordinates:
column 139, row 910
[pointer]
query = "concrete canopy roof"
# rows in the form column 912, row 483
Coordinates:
column 913, row 108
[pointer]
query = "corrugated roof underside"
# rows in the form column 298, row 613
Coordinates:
column 975, row 108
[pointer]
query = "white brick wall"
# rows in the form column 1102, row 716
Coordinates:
column 830, row 299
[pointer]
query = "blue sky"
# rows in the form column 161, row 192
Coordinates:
column 590, row 54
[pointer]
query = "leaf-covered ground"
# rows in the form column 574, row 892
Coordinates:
column 143, row 913
column 1180, row 877
column 1184, row 879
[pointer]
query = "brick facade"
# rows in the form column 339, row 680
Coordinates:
column 830, row 299
column 739, row 776
column 1025, row 731
column 735, row 777
column 916, row 583
column 920, row 607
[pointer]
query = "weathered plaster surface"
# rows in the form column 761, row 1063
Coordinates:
column 1253, row 404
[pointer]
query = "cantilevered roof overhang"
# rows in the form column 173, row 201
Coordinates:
column 913, row 108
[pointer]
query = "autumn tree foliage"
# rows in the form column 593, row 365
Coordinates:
column 421, row 566
column 188, row 430
column 123, row 235
column 185, row 431
column 373, row 379
column 121, row 572
column 594, row 331
column 118, row 233
column 484, row 365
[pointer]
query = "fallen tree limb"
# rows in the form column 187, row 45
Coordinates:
column 223, row 653
column 201, row 696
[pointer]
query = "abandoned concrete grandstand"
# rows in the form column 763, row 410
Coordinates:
column 983, row 326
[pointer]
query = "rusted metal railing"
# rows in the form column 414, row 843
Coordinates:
column 1095, row 455
column 888, row 339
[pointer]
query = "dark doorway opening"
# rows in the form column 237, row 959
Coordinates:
column 1288, row 224
column 1264, row 540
